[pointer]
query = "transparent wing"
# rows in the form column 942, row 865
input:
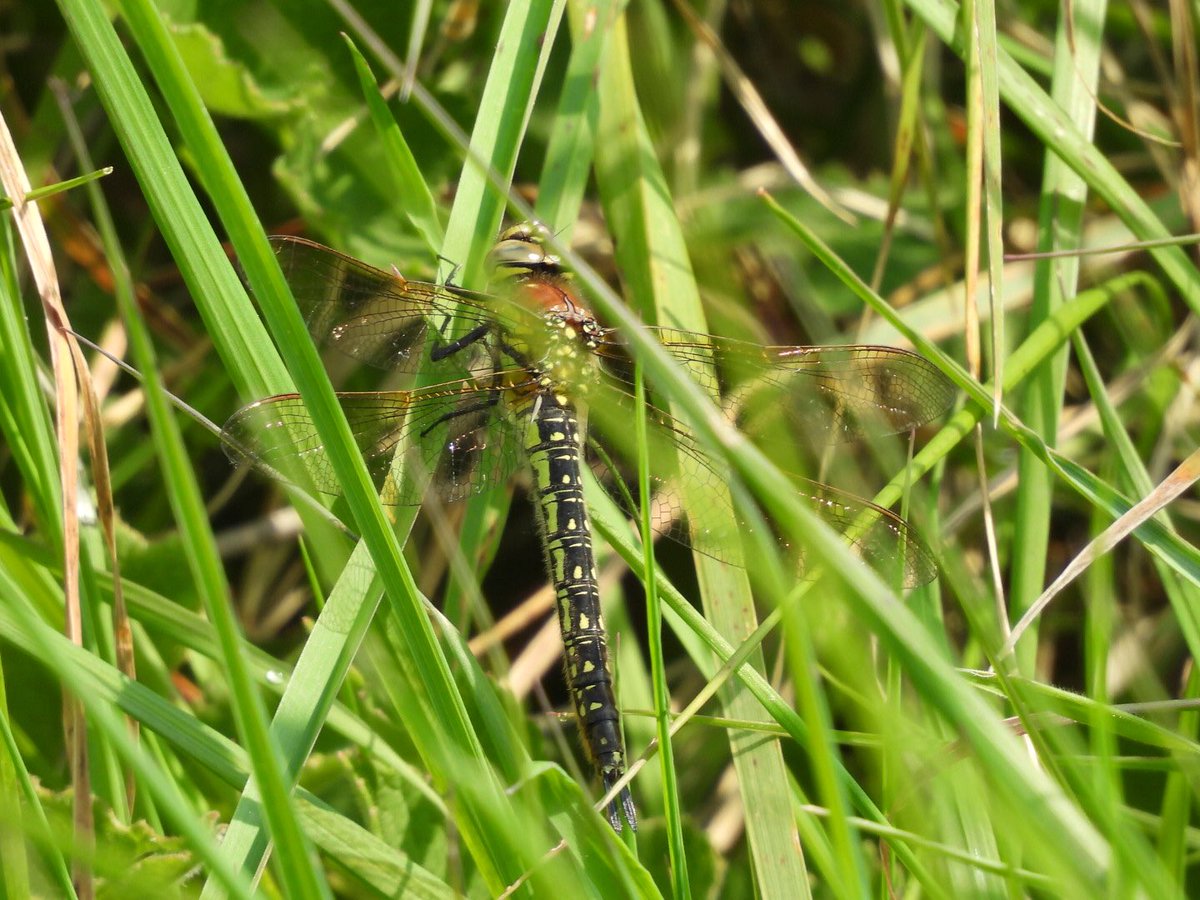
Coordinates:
column 831, row 393
column 684, row 476
column 377, row 317
column 452, row 439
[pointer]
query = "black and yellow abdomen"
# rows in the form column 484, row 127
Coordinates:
column 554, row 452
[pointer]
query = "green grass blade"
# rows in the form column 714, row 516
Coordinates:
column 28, row 433
column 1059, row 133
column 570, row 148
column 300, row 874
column 388, row 870
column 15, row 782
column 61, row 657
column 413, row 197
column 203, row 264
column 504, row 109
column 1060, row 223
column 984, row 25
column 680, row 880
column 656, row 269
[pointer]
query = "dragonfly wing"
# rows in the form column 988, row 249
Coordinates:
column 883, row 539
column 831, row 393
column 692, row 504
column 376, row 317
column 682, row 477
column 452, row 440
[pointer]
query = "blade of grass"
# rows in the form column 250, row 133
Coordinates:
column 655, row 267
column 994, row 867
column 1062, row 137
column 416, row 37
column 680, row 881
column 62, row 658
column 984, row 24
column 1060, row 223
column 29, row 436
column 1178, row 795
column 1180, row 479
column 907, row 125
column 413, row 196
column 203, row 264
column 16, row 785
column 569, row 151
column 504, row 111
column 300, row 873
column 51, row 190
column 389, row 870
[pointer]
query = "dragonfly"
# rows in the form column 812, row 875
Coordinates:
column 521, row 367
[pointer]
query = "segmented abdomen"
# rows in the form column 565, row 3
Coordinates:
column 554, row 451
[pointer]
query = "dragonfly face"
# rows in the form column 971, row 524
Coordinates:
column 521, row 250
column 514, row 367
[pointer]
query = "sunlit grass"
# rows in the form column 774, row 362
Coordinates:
column 835, row 734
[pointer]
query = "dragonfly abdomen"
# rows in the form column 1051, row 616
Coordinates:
column 554, row 452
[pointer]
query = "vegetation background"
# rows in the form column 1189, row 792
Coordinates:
column 859, row 742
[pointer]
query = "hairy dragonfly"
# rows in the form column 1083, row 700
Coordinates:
column 520, row 368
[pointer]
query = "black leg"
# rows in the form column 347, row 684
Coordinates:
column 480, row 406
column 471, row 337
column 521, row 360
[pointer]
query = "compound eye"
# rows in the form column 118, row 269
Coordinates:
column 518, row 253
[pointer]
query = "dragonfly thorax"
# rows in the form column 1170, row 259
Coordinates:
column 556, row 348
column 555, row 341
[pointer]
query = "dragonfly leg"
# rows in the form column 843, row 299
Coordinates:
column 468, row 410
column 518, row 358
column 474, row 336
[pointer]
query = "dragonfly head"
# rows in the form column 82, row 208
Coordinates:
column 521, row 253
